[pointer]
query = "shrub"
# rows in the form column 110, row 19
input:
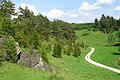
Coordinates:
column 64, row 50
column 10, row 53
column 69, row 50
column 77, row 51
column 43, row 53
column 57, row 52
column 85, row 33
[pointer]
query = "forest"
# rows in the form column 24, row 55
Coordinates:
column 35, row 32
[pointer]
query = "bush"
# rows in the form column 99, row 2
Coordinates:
column 64, row 50
column 77, row 51
column 10, row 51
column 85, row 33
column 35, row 40
column 43, row 54
column 57, row 52
column 69, row 50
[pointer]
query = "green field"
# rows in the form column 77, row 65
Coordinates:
column 103, row 54
column 69, row 67
column 79, row 69
column 93, row 39
column 9, row 71
column 106, row 55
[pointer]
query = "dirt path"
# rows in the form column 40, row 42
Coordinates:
column 87, row 58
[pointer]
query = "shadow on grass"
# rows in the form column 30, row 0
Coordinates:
column 116, row 53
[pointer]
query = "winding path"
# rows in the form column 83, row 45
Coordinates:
column 87, row 58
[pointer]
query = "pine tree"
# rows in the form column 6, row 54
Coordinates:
column 97, row 24
column 7, row 8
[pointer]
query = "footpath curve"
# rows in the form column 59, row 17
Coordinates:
column 87, row 58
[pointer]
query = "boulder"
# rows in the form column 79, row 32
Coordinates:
column 29, row 59
column 34, row 60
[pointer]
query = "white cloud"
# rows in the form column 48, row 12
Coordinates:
column 30, row 7
column 117, row 8
column 53, row 13
column 72, row 13
column 83, row 13
column 105, row 2
column 87, row 7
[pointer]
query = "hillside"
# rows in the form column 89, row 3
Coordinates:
column 34, row 47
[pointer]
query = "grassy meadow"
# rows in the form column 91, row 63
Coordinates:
column 93, row 39
column 106, row 55
column 69, row 67
column 103, row 53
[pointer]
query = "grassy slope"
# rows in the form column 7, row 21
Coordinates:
column 105, row 55
column 79, row 69
column 9, row 71
column 69, row 67
column 95, row 38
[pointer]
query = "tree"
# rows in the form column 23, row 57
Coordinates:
column 69, row 50
column 107, row 24
column 62, row 30
column 57, row 52
column 10, row 53
column 35, row 40
column 118, row 23
column 7, row 8
column 118, row 35
column 43, row 53
column 114, row 24
column 77, row 51
column 7, row 27
column 97, row 24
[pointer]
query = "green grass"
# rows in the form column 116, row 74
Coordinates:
column 93, row 39
column 10, row 71
column 104, row 55
column 79, row 69
column 69, row 67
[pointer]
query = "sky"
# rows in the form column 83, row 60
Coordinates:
column 73, row 11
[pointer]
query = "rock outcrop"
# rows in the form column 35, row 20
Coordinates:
column 34, row 60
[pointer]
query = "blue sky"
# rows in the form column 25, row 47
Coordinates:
column 77, row 11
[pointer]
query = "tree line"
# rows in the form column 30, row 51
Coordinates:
column 107, row 24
